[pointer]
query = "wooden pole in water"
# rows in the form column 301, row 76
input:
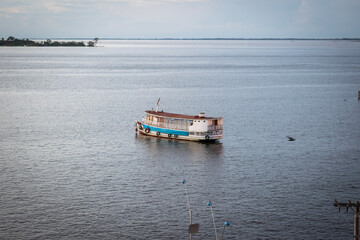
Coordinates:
column 188, row 202
column 213, row 218
column 193, row 228
column 356, row 215
column 190, row 212
column 356, row 222
column 222, row 232
column 359, row 96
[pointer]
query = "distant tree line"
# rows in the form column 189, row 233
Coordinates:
column 12, row 41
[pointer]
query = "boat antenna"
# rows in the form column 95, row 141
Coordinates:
column 157, row 105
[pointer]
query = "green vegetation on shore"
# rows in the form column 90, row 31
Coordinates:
column 13, row 42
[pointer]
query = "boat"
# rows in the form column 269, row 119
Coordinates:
column 180, row 126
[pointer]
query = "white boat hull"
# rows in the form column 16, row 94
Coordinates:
column 173, row 134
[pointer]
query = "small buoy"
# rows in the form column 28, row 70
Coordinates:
column 227, row 223
column 209, row 203
column 183, row 181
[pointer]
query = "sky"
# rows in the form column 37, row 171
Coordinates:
column 180, row 18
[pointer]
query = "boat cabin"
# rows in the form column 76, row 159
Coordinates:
column 196, row 125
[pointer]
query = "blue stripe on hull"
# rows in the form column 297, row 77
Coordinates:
column 166, row 131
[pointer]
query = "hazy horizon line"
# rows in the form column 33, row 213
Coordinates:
column 179, row 38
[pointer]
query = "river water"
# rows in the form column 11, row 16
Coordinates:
column 72, row 167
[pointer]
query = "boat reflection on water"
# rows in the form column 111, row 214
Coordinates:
column 197, row 151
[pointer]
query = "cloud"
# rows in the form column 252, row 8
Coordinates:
column 304, row 12
column 328, row 18
column 59, row 6
column 55, row 7
column 155, row 1
column 10, row 11
column 180, row 18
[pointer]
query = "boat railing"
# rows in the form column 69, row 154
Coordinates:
column 211, row 133
column 215, row 127
column 165, row 125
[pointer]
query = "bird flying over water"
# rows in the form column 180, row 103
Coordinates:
column 290, row 138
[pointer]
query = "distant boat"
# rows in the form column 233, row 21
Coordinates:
column 179, row 126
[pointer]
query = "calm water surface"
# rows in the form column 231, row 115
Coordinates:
column 71, row 166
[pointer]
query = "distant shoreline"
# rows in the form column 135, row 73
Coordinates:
column 16, row 42
column 79, row 42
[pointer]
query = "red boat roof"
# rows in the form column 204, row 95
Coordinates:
column 175, row 115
